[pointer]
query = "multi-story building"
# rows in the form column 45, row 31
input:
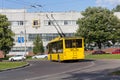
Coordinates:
column 27, row 25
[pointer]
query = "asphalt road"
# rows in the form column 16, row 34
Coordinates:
column 82, row 70
column 41, row 68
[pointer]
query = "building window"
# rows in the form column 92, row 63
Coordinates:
column 31, row 37
column 47, row 37
column 20, row 23
column 49, row 23
column 19, row 49
column 60, row 22
column 35, row 22
column 73, row 22
column 17, row 23
column 65, row 22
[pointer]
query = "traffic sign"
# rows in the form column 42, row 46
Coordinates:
column 20, row 39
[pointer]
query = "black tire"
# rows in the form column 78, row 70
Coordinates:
column 46, row 57
column 12, row 59
column 23, row 59
column 50, row 57
column 59, row 58
column 35, row 57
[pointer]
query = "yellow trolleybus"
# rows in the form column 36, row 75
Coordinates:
column 63, row 48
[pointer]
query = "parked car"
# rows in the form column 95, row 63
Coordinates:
column 39, row 56
column 17, row 58
column 99, row 52
column 117, row 51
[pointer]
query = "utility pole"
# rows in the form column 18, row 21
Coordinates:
column 25, row 26
column 25, row 30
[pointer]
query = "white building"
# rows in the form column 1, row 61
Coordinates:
column 28, row 25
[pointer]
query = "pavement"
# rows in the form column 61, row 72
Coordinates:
column 98, row 70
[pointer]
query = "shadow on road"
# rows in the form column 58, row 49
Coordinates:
column 77, row 61
column 93, row 75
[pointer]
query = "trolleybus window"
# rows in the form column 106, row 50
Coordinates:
column 56, row 47
column 73, row 43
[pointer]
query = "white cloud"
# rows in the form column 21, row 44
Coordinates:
column 107, row 3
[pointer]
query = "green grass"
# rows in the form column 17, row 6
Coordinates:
column 9, row 65
column 115, row 73
column 103, row 56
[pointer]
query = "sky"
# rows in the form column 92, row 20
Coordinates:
column 57, row 5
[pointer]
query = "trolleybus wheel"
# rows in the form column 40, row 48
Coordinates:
column 50, row 57
column 59, row 58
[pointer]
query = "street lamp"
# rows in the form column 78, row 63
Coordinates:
column 33, row 6
column 21, row 39
column 25, row 30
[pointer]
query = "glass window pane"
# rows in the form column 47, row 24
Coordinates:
column 73, row 43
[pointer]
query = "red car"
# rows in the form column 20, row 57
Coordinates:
column 117, row 51
column 99, row 52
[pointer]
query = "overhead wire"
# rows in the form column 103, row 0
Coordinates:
column 58, row 25
column 37, row 6
column 29, row 3
column 54, row 25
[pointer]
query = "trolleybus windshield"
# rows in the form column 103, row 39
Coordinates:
column 73, row 43
column 56, row 47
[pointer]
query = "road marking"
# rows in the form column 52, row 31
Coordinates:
column 46, row 76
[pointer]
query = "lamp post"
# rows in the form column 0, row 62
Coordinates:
column 21, row 41
column 25, row 25
column 25, row 30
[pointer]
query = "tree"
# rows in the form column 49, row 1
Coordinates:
column 38, row 46
column 98, row 26
column 6, row 35
column 116, row 9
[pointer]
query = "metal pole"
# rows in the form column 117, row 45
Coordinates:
column 21, row 40
column 25, row 26
column 21, row 34
column 25, row 30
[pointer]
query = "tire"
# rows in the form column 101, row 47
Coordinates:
column 45, row 56
column 12, row 59
column 35, row 57
column 50, row 57
column 23, row 59
column 59, row 58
